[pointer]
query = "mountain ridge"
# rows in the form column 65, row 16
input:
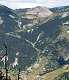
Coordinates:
column 39, row 49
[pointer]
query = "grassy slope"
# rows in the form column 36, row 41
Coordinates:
column 54, row 74
column 49, row 76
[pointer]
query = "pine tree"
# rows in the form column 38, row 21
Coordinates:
column 19, row 74
column 6, row 61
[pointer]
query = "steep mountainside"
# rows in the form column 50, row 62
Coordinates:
column 41, row 49
column 33, row 11
column 33, row 15
column 8, row 20
column 60, row 9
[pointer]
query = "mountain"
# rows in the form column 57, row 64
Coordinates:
column 41, row 50
column 39, row 11
column 34, row 15
column 43, row 11
column 21, row 11
column 60, row 9
column 37, row 39
column 8, row 19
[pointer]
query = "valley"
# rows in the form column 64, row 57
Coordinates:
column 37, row 41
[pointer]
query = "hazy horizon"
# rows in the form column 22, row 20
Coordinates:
column 16, row 4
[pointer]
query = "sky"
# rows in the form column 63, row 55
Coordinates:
column 16, row 4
